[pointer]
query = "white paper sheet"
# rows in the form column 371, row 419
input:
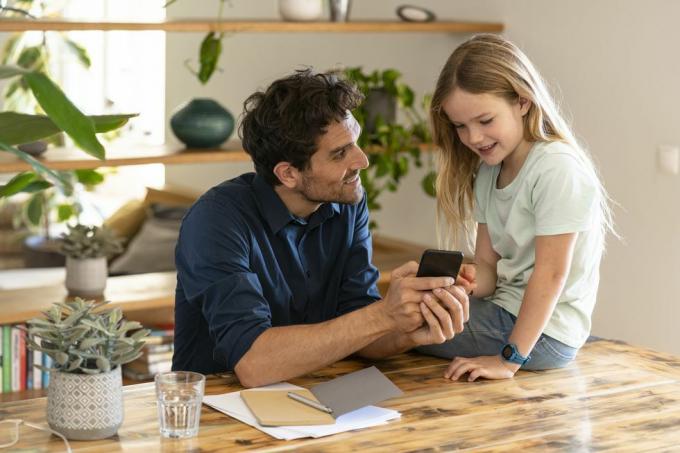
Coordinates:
column 232, row 405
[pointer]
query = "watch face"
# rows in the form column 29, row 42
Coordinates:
column 507, row 351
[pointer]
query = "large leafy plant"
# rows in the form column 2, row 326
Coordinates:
column 61, row 115
column 392, row 147
column 35, row 51
column 81, row 338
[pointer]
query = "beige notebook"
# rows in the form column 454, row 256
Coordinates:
column 275, row 408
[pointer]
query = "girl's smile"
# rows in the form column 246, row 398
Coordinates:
column 489, row 125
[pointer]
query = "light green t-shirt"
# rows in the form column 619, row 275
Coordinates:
column 555, row 192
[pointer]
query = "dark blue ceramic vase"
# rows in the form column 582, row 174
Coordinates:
column 202, row 123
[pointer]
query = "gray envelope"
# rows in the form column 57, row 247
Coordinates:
column 355, row 390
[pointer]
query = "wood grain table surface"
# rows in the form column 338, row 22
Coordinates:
column 614, row 397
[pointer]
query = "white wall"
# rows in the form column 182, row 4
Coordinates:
column 616, row 65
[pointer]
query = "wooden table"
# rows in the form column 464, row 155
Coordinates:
column 614, row 396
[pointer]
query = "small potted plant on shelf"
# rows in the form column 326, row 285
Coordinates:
column 87, row 249
column 87, row 347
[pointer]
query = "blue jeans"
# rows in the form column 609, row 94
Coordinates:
column 488, row 331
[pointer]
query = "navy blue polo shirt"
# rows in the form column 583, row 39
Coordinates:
column 245, row 264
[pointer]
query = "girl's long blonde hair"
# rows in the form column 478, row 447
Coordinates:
column 490, row 64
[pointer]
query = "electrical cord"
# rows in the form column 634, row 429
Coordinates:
column 17, row 422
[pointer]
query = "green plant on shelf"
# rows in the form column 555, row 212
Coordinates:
column 209, row 51
column 85, row 241
column 43, row 209
column 391, row 147
column 61, row 116
column 46, row 204
column 35, row 51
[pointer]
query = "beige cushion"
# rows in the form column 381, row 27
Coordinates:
column 153, row 248
column 128, row 219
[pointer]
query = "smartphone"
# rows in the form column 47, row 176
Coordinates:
column 440, row 263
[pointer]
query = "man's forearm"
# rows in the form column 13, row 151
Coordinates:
column 281, row 353
column 387, row 345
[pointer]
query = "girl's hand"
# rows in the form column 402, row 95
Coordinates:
column 467, row 278
column 488, row 366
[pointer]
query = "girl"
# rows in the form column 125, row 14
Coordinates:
column 510, row 163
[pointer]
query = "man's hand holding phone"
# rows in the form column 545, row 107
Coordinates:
column 406, row 295
column 455, row 297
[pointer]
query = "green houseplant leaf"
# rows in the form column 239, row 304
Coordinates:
column 79, row 51
column 37, row 186
column 428, row 183
column 34, row 209
column 89, row 177
column 17, row 128
column 64, row 114
column 7, row 71
column 17, row 184
column 65, row 212
column 209, row 55
column 50, row 175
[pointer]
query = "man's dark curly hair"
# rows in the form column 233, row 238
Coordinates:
column 283, row 123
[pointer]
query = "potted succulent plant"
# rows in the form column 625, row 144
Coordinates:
column 87, row 347
column 87, row 249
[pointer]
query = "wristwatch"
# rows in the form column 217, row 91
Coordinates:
column 512, row 355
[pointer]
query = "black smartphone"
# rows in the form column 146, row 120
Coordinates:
column 440, row 263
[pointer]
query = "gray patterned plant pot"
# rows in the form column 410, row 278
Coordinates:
column 85, row 406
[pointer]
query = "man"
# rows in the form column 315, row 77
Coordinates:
column 274, row 273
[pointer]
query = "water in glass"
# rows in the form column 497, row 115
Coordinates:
column 180, row 395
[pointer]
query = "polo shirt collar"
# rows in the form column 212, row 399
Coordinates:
column 275, row 212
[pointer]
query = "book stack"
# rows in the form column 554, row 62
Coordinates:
column 17, row 362
column 156, row 356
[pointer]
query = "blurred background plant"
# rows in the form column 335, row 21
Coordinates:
column 210, row 49
column 392, row 147
column 44, row 209
column 35, row 50
column 44, row 205
column 88, row 241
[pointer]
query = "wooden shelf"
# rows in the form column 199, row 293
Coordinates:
column 138, row 295
column 205, row 25
column 72, row 159
column 131, row 293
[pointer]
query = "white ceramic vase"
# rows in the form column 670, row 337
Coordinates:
column 86, row 277
column 85, row 406
column 300, row 10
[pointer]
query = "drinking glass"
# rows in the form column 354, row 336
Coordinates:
column 179, row 395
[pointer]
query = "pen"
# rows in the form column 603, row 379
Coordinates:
column 310, row 403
